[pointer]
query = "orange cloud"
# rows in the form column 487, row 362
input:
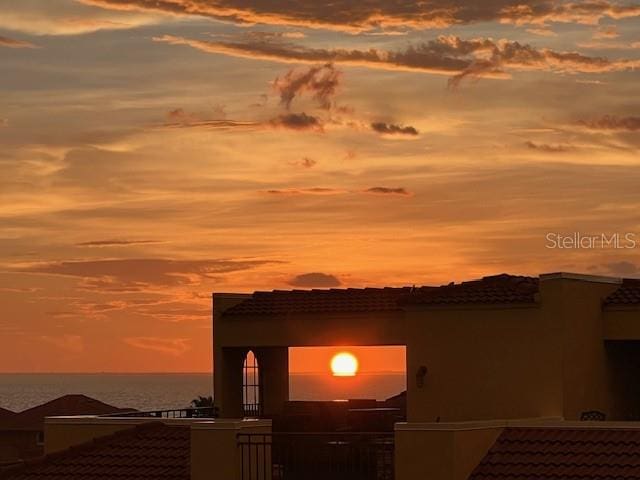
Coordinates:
column 168, row 346
column 547, row 148
column 305, row 191
column 12, row 43
column 321, row 81
column 612, row 122
column 297, row 121
column 115, row 243
column 393, row 129
column 66, row 342
column 192, row 120
column 354, row 17
column 138, row 273
column 335, row 191
column 292, row 121
column 449, row 55
column 609, row 31
column 587, row 12
column 69, row 18
column 388, row 191
column 418, row 58
column 543, row 32
column 305, row 162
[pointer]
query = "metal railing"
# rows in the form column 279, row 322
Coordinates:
column 317, row 456
column 200, row 412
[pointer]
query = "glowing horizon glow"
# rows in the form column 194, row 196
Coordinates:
column 344, row 364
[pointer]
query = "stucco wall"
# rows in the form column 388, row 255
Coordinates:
column 482, row 363
column 587, row 372
column 435, row 453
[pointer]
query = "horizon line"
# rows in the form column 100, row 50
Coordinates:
column 310, row 372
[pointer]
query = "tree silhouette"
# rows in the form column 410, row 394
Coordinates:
column 202, row 402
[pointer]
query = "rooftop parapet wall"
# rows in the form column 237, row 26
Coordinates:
column 212, row 447
column 515, row 449
column 447, row 451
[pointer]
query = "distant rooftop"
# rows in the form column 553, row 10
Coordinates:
column 5, row 414
column 147, row 451
column 33, row 418
column 627, row 294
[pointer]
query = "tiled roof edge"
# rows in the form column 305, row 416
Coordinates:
column 81, row 447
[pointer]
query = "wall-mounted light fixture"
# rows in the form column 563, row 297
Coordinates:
column 420, row 375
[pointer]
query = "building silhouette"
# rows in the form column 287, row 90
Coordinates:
column 508, row 377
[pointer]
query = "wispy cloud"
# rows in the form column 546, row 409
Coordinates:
column 609, row 45
column 19, row 289
column 297, row 121
column 13, row 43
column 68, row 343
column 70, row 18
column 350, row 16
column 320, row 81
column 612, row 122
column 305, row 191
column 393, row 129
column 293, row 121
column 449, row 55
column 415, row 58
column 547, row 148
column 542, row 32
column 336, row 191
column 541, row 12
column 305, row 162
column 388, row 191
column 213, row 124
column 168, row 346
column 115, row 243
column 623, row 268
column 144, row 272
column 608, row 31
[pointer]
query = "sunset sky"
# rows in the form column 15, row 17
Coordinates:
column 155, row 151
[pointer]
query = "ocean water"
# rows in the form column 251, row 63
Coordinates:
column 164, row 391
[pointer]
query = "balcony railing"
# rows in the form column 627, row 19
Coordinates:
column 317, row 456
column 200, row 412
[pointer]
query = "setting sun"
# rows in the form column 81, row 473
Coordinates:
column 344, row 364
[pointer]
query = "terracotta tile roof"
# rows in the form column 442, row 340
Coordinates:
column 149, row 451
column 627, row 294
column 33, row 418
column 279, row 302
column 562, row 453
column 495, row 289
column 488, row 290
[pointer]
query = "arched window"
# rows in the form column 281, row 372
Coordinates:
column 251, row 386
